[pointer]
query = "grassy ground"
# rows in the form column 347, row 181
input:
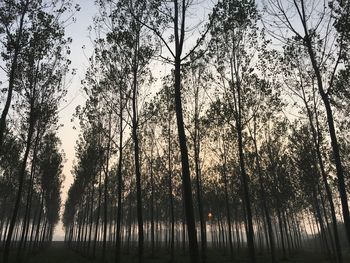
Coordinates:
column 58, row 253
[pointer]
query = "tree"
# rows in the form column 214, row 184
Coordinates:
column 232, row 40
column 175, row 14
column 11, row 12
column 324, row 59
column 129, row 35
column 44, row 66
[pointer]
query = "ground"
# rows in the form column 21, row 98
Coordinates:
column 58, row 253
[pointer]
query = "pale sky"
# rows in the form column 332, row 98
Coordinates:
column 78, row 31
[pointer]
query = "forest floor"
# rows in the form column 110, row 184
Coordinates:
column 58, row 253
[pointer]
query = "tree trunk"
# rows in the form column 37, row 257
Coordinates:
column 152, row 203
column 332, row 133
column 106, row 191
column 136, row 156
column 37, row 231
column 92, row 191
column 120, row 180
column 186, row 178
column 98, row 216
column 32, row 120
column 170, row 186
column 29, row 199
column 228, row 212
column 198, row 179
column 264, row 203
column 284, row 253
column 250, row 232
column 316, row 135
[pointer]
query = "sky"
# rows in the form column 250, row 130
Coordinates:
column 78, row 31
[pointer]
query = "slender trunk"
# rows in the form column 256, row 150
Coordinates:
column 328, row 226
column 288, row 235
column 186, row 178
column 106, row 192
column 316, row 135
column 85, row 230
column 37, row 231
column 80, row 234
column 30, row 245
column 228, row 212
column 22, row 172
column 28, row 199
column 197, row 143
column 136, row 156
column 264, row 203
column 42, row 239
column 98, row 216
column 91, row 218
column 152, row 203
column 170, row 186
column 332, row 132
column 284, row 253
column 236, row 88
column 120, row 180
column 244, row 176
column 238, row 238
column 129, row 227
column 322, row 231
